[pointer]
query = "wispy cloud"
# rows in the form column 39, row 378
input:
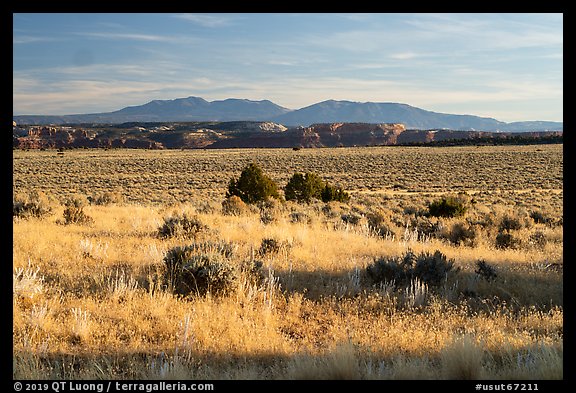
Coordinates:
column 403, row 55
column 206, row 20
column 31, row 39
column 34, row 96
column 126, row 36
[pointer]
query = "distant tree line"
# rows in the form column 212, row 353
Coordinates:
column 496, row 140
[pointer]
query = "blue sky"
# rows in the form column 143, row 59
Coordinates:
column 506, row 66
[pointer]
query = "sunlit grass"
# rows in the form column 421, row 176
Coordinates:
column 89, row 300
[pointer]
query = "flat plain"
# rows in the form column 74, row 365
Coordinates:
column 89, row 299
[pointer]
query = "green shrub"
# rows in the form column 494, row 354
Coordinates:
column 34, row 204
column 447, row 207
column 304, row 187
column 332, row 193
column 181, row 225
column 253, row 185
column 431, row 269
column 74, row 211
column 392, row 269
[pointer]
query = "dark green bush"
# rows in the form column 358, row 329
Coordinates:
column 431, row 269
column 392, row 269
column 253, row 185
column 181, row 225
column 332, row 193
column 447, row 207
column 304, row 187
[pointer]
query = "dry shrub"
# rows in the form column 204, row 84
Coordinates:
column 431, row 269
column 380, row 224
column 181, row 225
column 460, row 233
column 270, row 211
column 74, row 211
column 107, row 198
column 189, row 270
column 234, row 206
column 34, row 204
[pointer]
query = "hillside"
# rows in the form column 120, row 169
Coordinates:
column 196, row 109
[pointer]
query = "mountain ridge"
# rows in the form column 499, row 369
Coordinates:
column 328, row 111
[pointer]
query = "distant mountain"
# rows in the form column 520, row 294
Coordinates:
column 413, row 118
column 178, row 110
column 331, row 111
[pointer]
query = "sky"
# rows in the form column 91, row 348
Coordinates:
column 505, row 66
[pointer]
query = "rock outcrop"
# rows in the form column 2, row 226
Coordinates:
column 246, row 135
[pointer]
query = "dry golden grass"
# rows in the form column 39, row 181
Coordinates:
column 89, row 302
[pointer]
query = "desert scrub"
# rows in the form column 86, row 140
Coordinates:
column 181, row 225
column 460, row 233
column 202, row 268
column 234, row 206
column 485, row 270
column 272, row 246
column 429, row 268
column 192, row 270
column 74, row 211
column 33, row 204
column 271, row 211
column 449, row 206
column 106, row 198
column 380, row 224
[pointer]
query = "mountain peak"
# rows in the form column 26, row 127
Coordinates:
column 329, row 111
